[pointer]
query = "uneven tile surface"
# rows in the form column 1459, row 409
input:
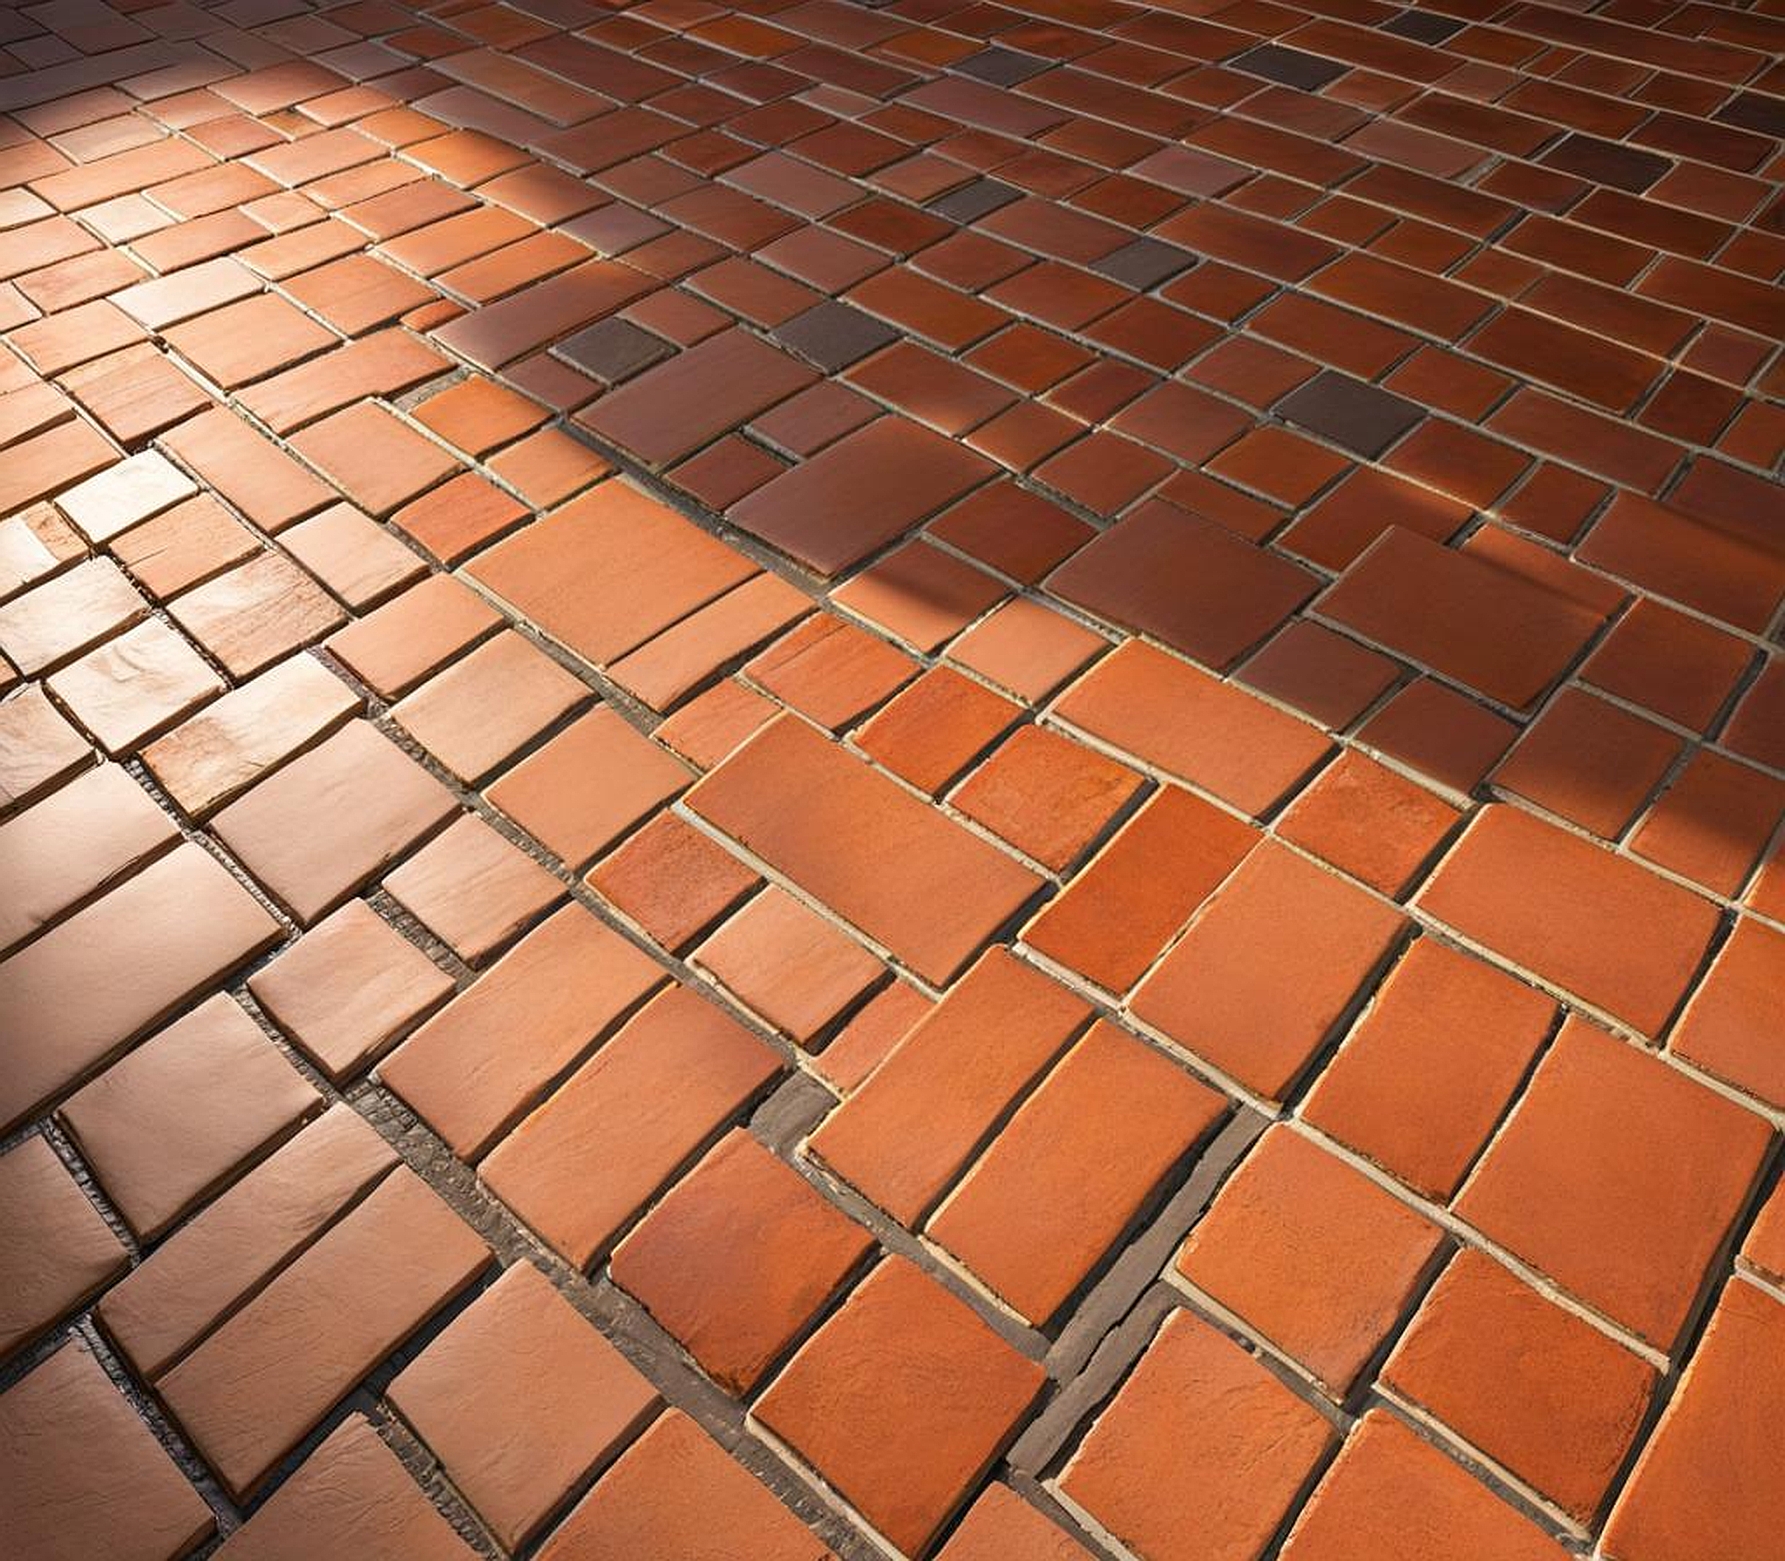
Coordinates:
column 836, row 777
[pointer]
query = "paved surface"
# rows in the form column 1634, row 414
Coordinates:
column 984, row 780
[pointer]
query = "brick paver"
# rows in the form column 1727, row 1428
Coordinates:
column 841, row 777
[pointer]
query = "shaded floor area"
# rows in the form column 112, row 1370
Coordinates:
column 946, row 779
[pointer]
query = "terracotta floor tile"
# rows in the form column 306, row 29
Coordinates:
column 349, row 988
column 308, row 1338
column 730, row 378
column 1119, row 913
column 184, row 1111
column 352, row 1496
column 256, row 614
column 1367, row 821
column 318, row 828
column 1226, row 992
column 1426, row 1075
column 856, row 1402
column 1709, row 824
column 590, row 784
column 1726, row 1026
column 666, row 669
column 933, row 729
column 1753, row 730
column 875, row 884
column 1185, row 581
column 1201, row 1452
column 788, row 965
column 37, row 747
column 135, row 686
column 394, row 647
column 1603, row 927
column 1505, row 637
column 35, row 544
column 1194, row 728
column 473, row 889
column 253, row 474
column 170, row 932
column 1397, row 1497
column 184, row 546
column 583, row 1166
column 1047, row 795
column 463, row 1070
column 377, row 460
column 247, row 341
column 357, row 293
column 124, row 495
column 1590, row 762
column 1001, row 1526
column 1720, row 571
column 920, row 595
column 608, row 571
column 1045, row 1202
column 1027, row 648
column 908, row 1133
column 228, row 746
column 1677, row 666
column 73, row 844
column 198, row 1275
column 520, row 1398
column 1313, row 1254
column 56, row 1251
column 488, row 705
column 638, row 1507
column 738, row 1258
column 353, row 556
column 1543, row 1393
column 1440, row 733
column 1645, row 1171
column 1689, row 1488
column 830, row 670
column 859, row 494
column 672, row 880
column 476, row 415
column 84, row 1468
column 1012, row 530
column 54, row 622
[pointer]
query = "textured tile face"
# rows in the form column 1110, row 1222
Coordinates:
column 1565, row 1425
column 1593, row 1124
column 317, row 829
column 523, row 1364
column 95, row 982
column 867, row 882
column 1398, row 1497
column 352, row 1496
column 55, row 1250
column 1039, row 749
column 1507, row 638
column 858, row 1403
column 593, row 1131
column 81, row 1465
column 351, row 1297
column 463, row 1072
column 608, row 571
column 738, row 1258
column 1621, row 938
column 675, row 1493
column 1200, row 1452
column 851, row 499
column 184, row 1111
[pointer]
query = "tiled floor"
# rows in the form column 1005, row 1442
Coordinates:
column 988, row 780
